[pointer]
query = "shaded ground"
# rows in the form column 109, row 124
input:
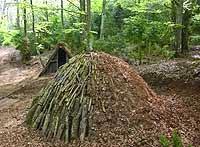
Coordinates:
column 181, row 99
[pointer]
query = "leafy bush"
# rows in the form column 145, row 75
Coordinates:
column 22, row 43
column 195, row 40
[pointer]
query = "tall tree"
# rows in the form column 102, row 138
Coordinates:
column 102, row 19
column 82, row 21
column 62, row 14
column 18, row 15
column 33, row 17
column 88, row 28
column 46, row 11
column 25, row 19
column 187, row 18
column 185, row 32
column 3, row 9
column 182, row 11
column 179, row 23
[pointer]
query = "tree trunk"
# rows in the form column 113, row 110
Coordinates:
column 102, row 20
column 82, row 21
column 25, row 20
column 88, row 29
column 179, row 30
column 4, row 7
column 185, row 33
column 187, row 17
column 46, row 12
column 18, row 15
column 173, row 19
column 33, row 17
column 62, row 16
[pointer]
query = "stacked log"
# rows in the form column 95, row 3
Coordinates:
column 61, row 110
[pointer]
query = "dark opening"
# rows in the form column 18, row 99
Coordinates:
column 61, row 57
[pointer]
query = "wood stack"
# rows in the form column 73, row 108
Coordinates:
column 62, row 108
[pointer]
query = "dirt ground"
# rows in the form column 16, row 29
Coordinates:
column 14, row 133
column 181, row 98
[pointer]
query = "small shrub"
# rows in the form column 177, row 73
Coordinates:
column 195, row 40
column 175, row 141
column 164, row 141
column 22, row 43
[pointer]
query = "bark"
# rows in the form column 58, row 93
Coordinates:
column 186, row 33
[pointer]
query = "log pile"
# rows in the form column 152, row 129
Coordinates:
column 92, row 92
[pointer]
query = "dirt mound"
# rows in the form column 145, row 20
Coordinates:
column 102, row 97
column 163, row 73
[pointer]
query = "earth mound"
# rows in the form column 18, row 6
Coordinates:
column 97, row 98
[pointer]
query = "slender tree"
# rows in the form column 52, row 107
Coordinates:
column 33, row 17
column 3, row 9
column 82, row 21
column 25, row 19
column 102, row 19
column 185, row 31
column 82, row 9
column 18, row 15
column 46, row 12
column 88, row 28
column 179, row 22
column 62, row 14
column 187, row 18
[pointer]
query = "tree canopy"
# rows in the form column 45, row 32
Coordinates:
column 137, row 29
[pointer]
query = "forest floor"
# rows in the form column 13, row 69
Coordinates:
column 18, row 85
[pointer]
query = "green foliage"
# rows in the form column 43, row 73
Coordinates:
column 142, row 30
column 195, row 40
column 137, row 30
column 164, row 141
column 111, row 44
column 22, row 43
column 175, row 141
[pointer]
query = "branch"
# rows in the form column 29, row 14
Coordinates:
column 70, row 11
column 73, row 4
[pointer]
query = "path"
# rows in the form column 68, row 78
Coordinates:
column 13, row 75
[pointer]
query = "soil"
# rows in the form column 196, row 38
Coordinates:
column 176, row 107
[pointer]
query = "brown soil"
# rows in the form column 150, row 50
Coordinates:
column 127, row 112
